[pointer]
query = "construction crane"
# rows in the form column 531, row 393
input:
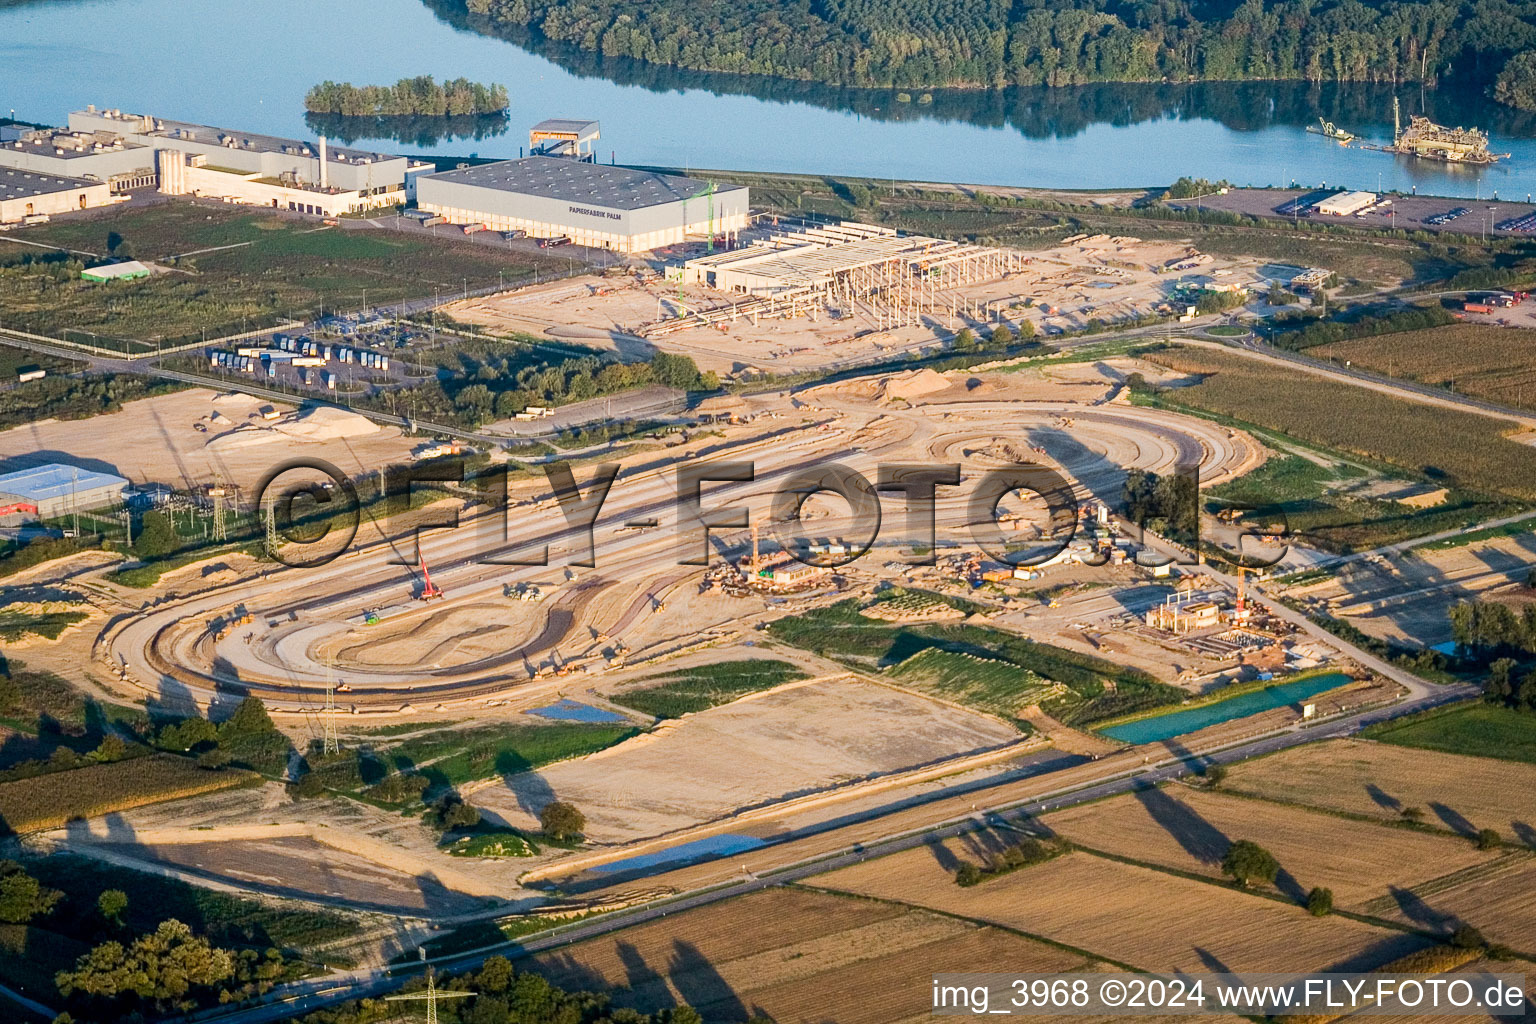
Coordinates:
column 429, row 590
column 709, row 192
column 430, row 996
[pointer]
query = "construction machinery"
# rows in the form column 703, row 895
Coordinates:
column 1332, row 131
column 429, row 590
column 1424, row 138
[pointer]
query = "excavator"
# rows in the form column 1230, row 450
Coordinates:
column 429, row 590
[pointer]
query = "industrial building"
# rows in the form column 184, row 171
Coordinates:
column 127, row 270
column 262, row 170
column 29, row 194
column 54, row 490
column 865, row 270
column 96, row 156
column 564, row 137
column 598, row 205
column 1346, row 203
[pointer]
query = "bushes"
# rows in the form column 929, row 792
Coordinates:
column 1248, row 862
column 399, row 788
column 1355, row 324
column 1025, row 853
column 561, row 820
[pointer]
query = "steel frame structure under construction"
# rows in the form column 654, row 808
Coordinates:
column 867, row 271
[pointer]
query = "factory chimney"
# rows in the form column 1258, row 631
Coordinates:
column 325, row 174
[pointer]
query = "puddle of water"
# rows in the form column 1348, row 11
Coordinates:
column 574, row 711
column 687, row 853
column 1177, row 723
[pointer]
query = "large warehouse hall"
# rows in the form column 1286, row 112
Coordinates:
column 603, row 206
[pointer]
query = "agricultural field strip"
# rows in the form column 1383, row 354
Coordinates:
column 1187, row 829
column 1120, row 912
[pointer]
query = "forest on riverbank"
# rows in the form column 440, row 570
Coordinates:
column 999, row 43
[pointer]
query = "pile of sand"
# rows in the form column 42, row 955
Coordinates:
column 325, row 423
column 912, row 385
column 322, row 423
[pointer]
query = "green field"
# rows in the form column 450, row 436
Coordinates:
column 1314, row 497
column 1480, row 729
column 997, row 672
column 673, row 694
column 16, row 625
column 453, row 757
column 48, row 801
column 232, row 269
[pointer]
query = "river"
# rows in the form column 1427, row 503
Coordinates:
column 248, row 66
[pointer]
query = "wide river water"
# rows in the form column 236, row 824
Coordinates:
column 248, row 66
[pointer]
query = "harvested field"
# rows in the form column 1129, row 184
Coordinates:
column 1498, row 898
column 301, row 868
column 793, row 740
column 1455, row 792
column 1190, row 830
column 1451, row 446
column 1123, row 913
column 801, row 957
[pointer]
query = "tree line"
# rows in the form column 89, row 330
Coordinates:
column 409, row 97
column 1505, row 640
column 992, row 44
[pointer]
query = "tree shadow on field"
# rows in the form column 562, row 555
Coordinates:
column 1416, row 910
column 701, row 985
column 1454, row 820
column 1199, row 838
column 1383, row 799
column 942, row 854
column 1526, row 833
column 646, row 986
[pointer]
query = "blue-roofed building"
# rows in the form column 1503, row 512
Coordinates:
column 54, row 490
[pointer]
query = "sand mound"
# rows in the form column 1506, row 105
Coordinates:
column 319, row 424
column 912, row 385
column 218, row 419
column 236, row 400
column 325, row 423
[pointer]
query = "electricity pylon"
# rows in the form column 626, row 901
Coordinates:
column 332, row 745
column 272, row 540
column 430, row 996
column 217, row 493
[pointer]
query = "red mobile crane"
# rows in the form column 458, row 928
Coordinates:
column 429, row 590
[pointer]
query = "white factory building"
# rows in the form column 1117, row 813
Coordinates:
column 31, row 194
column 603, row 206
column 1346, row 203
column 244, row 167
column 54, row 490
column 98, row 156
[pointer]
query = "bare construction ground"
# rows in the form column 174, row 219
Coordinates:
column 338, row 852
column 1061, row 289
column 1408, row 598
column 1133, row 915
column 1190, row 830
column 797, row 739
column 798, row 956
column 1455, row 792
column 154, row 441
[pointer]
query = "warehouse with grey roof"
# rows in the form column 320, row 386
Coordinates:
column 54, row 490
column 29, row 194
column 603, row 206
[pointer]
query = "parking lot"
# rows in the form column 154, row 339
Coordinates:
column 1408, row 212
